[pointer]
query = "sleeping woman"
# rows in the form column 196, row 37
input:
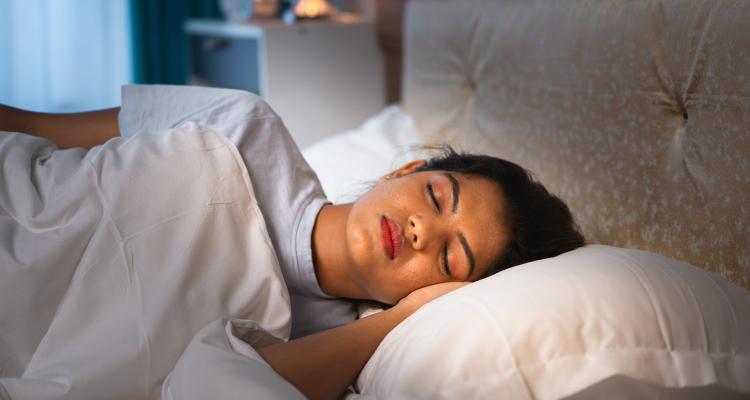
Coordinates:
column 425, row 229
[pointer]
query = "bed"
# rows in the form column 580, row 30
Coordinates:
column 637, row 114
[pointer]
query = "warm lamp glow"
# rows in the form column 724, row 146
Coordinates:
column 312, row 9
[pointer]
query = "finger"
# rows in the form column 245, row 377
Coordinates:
column 455, row 285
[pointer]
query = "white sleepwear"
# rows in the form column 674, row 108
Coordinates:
column 288, row 192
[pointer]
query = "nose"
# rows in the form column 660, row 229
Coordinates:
column 422, row 230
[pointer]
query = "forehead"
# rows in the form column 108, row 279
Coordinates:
column 480, row 217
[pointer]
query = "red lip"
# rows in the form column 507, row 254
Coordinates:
column 392, row 235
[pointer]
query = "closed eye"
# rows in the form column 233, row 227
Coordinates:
column 445, row 247
column 445, row 261
column 432, row 196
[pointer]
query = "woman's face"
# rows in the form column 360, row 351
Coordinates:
column 417, row 229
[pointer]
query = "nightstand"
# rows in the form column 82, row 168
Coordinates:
column 321, row 76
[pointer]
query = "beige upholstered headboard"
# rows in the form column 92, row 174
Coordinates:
column 637, row 113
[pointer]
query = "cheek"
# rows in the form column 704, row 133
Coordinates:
column 389, row 197
column 358, row 242
column 363, row 225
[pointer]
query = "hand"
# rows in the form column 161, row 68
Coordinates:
column 424, row 295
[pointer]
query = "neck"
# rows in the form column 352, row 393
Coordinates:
column 330, row 256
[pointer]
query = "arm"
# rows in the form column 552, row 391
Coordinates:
column 86, row 129
column 322, row 365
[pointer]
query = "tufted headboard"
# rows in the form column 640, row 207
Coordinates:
column 636, row 113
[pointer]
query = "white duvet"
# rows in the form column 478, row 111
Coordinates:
column 112, row 260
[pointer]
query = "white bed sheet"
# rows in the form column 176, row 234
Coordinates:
column 112, row 259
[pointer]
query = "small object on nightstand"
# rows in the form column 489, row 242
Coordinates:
column 288, row 17
column 306, row 9
column 237, row 10
column 312, row 9
column 245, row 10
column 266, row 8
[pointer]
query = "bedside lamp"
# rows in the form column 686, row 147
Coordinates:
column 312, row 9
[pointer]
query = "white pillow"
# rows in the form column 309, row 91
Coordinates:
column 349, row 162
column 600, row 318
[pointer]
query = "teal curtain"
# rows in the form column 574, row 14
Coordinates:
column 160, row 46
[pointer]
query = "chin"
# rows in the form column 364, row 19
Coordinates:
column 387, row 297
column 387, row 300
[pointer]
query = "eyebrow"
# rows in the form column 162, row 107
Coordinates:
column 469, row 254
column 462, row 239
column 454, row 186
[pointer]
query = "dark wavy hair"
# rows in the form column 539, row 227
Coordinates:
column 541, row 225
